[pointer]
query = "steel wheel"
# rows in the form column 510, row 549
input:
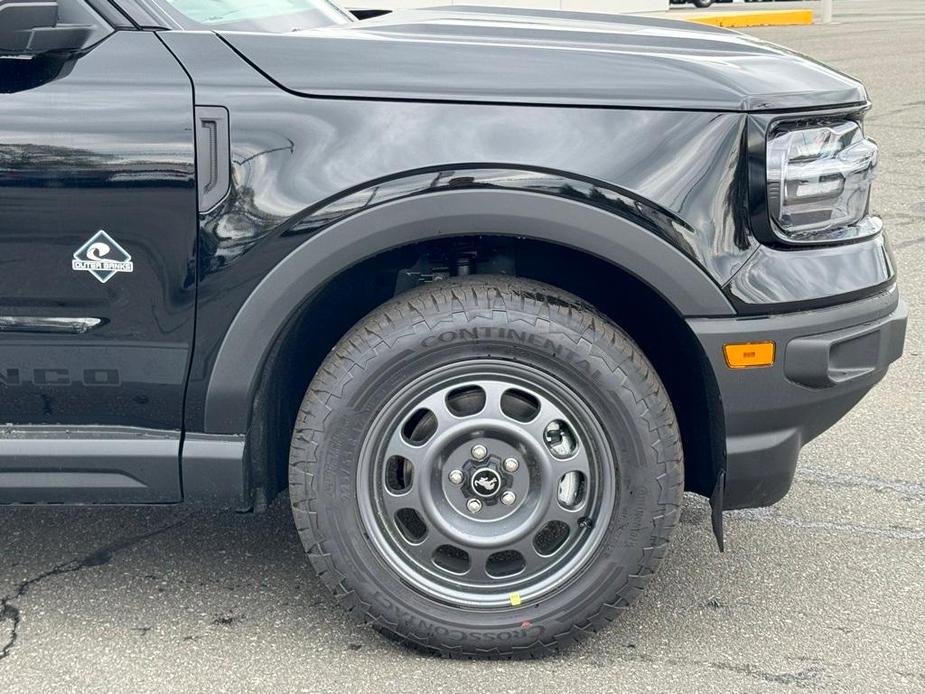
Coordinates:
column 480, row 484
column 486, row 467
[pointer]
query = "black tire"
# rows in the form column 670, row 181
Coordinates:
column 702, row 4
column 514, row 322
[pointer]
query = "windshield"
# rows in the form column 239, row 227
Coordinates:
column 272, row 16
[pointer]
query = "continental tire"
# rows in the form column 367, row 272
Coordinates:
column 486, row 467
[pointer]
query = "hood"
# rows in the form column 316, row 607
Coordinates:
column 507, row 55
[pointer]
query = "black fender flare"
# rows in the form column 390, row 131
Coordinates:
column 490, row 212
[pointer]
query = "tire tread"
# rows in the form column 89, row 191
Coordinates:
column 483, row 295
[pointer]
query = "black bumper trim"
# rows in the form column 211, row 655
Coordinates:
column 841, row 356
column 827, row 360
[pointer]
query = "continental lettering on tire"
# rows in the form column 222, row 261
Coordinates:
column 488, row 332
column 337, row 446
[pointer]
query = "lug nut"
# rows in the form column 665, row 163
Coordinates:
column 474, row 505
column 479, row 452
column 456, row 476
column 508, row 498
column 511, row 464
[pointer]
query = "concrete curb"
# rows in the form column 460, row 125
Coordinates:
column 752, row 19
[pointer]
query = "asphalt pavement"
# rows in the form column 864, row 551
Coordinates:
column 823, row 592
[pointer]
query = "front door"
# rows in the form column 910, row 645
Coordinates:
column 98, row 215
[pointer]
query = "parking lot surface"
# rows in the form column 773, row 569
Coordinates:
column 823, row 592
column 741, row 6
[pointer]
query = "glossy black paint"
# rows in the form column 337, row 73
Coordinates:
column 301, row 164
column 649, row 131
column 491, row 211
column 98, row 148
column 473, row 177
column 779, row 279
column 293, row 157
column 551, row 58
column 113, row 15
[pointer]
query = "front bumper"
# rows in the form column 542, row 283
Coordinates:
column 826, row 361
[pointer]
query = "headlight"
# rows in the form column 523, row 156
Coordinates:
column 819, row 182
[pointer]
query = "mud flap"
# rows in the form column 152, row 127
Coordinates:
column 716, row 504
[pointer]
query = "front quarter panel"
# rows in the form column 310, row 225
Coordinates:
column 293, row 155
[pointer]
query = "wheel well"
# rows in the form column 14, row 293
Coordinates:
column 326, row 316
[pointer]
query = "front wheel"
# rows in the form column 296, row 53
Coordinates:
column 702, row 4
column 486, row 467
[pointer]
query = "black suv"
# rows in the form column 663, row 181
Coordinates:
column 483, row 290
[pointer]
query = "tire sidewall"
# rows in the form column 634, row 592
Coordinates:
column 600, row 371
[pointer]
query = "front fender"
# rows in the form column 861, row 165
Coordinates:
column 624, row 244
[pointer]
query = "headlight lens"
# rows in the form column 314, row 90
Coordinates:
column 819, row 182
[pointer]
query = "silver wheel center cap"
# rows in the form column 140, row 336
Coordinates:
column 485, row 482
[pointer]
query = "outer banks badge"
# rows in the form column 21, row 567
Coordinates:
column 102, row 257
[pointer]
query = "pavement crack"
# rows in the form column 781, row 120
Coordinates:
column 802, row 678
column 910, row 675
column 227, row 620
column 11, row 613
column 908, row 242
column 911, row 490
column 774, row 516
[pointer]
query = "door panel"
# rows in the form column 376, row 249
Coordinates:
column 101, row 143
column 107, row 146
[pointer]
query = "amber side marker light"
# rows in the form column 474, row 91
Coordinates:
column 748, row 355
